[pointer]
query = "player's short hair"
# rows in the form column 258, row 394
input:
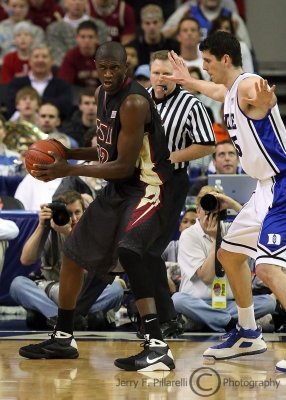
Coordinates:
column 111, row 50
column 220, row 43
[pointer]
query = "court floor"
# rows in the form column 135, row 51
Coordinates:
column 93, row 375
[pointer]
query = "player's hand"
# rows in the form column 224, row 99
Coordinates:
column 65, row 149
column 262, row 95
column 49, row 172
column 180, row 74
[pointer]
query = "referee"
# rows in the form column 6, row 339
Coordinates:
column 190, row 136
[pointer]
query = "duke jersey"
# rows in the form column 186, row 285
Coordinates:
column 152, row 166
column 261, row 144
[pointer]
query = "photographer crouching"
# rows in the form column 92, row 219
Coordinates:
column 39, row 294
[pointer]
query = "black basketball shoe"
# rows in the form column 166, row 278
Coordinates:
column 61, row 345
column 156, row 356
column 171, row 328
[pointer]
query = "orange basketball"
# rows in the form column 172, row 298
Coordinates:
column 38, row 153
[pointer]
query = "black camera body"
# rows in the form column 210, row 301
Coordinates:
column 60, row 213
column 210, row 204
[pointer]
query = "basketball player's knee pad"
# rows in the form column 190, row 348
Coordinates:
column 140, row 279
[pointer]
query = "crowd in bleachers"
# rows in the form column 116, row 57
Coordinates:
column 48, row 79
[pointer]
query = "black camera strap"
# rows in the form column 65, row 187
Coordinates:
column 219, row 271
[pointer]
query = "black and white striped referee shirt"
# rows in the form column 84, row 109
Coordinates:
column 185, row 120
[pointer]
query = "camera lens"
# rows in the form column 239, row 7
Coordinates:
column 61, row 217
column 209, row 203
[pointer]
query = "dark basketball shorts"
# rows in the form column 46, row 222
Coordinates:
column 122, row 215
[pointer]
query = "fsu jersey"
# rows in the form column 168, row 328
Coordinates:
column 152, row 166
column 261, row 144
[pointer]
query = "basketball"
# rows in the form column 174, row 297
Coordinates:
column 38, row 153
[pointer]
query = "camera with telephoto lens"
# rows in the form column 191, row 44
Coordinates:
column 210, row 204
column 60, row 214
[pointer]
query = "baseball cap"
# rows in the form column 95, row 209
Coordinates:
column 143, row 70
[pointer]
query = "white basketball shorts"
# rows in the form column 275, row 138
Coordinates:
column 259, row 230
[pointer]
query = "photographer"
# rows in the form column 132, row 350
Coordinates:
column 40, row 296
column 204, row 294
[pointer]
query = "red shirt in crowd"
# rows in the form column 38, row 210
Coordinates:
column 121, row 21
column 49, row 12
column 3, row 13
column 13, row 67
column 78, row 69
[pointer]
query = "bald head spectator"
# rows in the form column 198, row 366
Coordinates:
column 152, row 40
column 117, row 15
column 40, row 77
column 61, row 35
column 48, row 121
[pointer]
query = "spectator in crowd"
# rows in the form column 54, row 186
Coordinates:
column 205, row 12
column 224, row 161
column 7, row 157
column 8, row 231
column 77, row 67
column 16, row 63
column 27, row 104
column 44, row 12
column 189, row 37
column 48, row 121
column 204, row 294
column 152, row 40
column 117, row 15
column 47, row 241
column 142, row 75
column 132, row 59
column 40, row 77
column 83, row 118
column 17, row 10
column 225, row 23
column 61, row 35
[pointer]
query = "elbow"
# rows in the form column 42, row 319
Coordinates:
column 25, row 260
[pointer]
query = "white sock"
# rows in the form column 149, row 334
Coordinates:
column 246, row 318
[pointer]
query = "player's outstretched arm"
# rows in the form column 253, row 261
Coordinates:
column 182, row 77
column 257, row 95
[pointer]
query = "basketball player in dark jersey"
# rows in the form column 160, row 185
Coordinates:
column 126, row 218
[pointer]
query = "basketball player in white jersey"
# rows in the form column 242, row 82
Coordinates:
column 259, row 230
